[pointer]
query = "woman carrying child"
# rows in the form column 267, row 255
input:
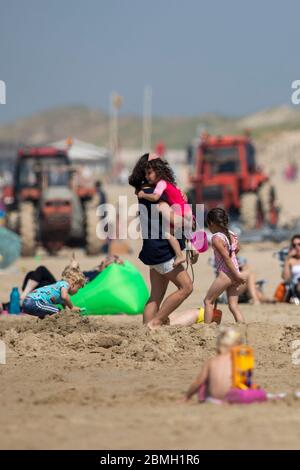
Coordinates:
column 157, row 252
column 177, row 212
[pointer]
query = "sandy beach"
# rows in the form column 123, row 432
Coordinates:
column 101, row 102
column 109, row 383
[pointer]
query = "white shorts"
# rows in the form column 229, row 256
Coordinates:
column 164, row 268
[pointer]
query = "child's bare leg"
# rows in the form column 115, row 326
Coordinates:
column 188, row 226
column 183, row 224
column 233, row 303
column 220, row 284
column 251, row 283
column 167, row 214
column 172, row 220
column 180, row 258
column 187, row 318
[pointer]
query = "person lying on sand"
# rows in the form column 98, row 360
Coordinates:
column 108, row 260
column 250, row 291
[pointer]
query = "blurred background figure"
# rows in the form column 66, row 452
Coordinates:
column 160, row 149
column 251, row 154
column 291, row 171
column 2, row 208
column 102, row 199
column 123, row 176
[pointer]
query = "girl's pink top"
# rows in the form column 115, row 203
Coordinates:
column 219, row 260
column 174, row 197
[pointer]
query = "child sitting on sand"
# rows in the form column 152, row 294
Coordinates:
column 220, row 381
column 215, row 379
column 226, row 246
column 45, row 300
column 159, row 173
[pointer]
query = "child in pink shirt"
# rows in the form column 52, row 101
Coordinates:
column 159, row 173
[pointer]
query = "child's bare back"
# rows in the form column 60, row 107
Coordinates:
column 219, row 376
column 215, row 378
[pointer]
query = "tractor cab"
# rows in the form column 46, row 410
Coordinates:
column 39, row 168
column 226, row 175
column 47, row 209
column 220, row 160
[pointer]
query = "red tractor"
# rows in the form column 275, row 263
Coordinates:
column 46, row 208
column 226, row 176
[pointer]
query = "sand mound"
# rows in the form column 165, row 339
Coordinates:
column 125, row 342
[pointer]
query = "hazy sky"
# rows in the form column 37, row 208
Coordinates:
column 232, row 57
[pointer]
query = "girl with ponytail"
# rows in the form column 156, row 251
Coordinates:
column 226, row 246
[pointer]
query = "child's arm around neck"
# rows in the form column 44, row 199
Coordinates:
column 157, row 193
column 149, row 197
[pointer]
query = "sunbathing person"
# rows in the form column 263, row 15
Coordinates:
column 291, row 269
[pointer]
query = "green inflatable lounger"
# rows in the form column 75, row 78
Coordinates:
column 118, row 289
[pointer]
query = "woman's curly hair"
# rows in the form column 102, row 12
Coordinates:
column 162, row 169
column 137, row 177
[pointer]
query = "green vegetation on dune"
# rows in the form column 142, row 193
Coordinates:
column 177, row 131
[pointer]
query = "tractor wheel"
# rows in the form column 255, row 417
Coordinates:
column 249, row 204
column 267, row 195
column 93, row 244
column 27, row 225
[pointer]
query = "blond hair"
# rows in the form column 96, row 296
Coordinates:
column 228, row 337
column 73, row 275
